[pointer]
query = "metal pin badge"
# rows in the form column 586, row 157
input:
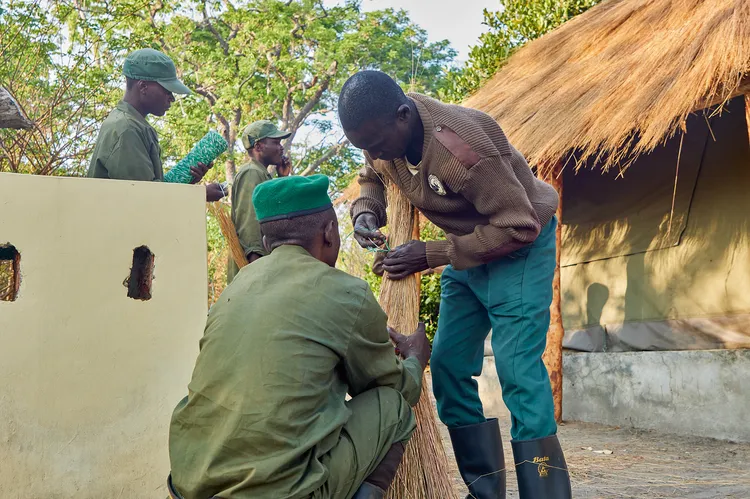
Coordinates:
column 436, row 185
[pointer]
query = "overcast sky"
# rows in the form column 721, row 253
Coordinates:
column 460, row 21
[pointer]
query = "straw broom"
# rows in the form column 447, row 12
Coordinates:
column 424, row 472
column 230, row 233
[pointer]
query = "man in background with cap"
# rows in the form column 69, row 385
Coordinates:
column 127, row 147
column 266, row 416
column 262, row 141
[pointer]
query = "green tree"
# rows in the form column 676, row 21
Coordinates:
column 518, row 22
column 283, row 60
column 55, row 84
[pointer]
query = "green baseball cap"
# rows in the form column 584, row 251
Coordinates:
column 291, row 197
column 262, row 129
column 152, row 65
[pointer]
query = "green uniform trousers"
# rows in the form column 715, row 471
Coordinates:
column 512, row 296
column 380, row 418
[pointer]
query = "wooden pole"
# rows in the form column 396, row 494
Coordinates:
column 424, row 472
column 553, row 354
column 10, row 114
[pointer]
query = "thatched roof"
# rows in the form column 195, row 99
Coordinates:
column 620, row 78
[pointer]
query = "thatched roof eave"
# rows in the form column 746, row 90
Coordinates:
column 620, row 79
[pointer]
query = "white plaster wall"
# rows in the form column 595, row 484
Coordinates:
column 88, row 376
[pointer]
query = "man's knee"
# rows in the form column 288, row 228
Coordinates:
column 393, row 408
column 439, row 360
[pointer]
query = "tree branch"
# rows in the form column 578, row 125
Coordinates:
column 207, row 23
column 334, row 150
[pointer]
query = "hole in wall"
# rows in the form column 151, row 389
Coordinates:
column 10, row 272
column 141, row 274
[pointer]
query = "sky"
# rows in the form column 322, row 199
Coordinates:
column 460, row 22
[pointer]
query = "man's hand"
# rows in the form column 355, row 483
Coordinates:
column 214, row 192
column 285, row 168
column 405, row 260
column 199, row 171
column 417, row 345
column 366, row 230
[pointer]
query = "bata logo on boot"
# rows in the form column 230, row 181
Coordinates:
column 542, row 467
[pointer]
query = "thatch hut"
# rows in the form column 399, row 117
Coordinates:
column 636, row 111
column 636, row 105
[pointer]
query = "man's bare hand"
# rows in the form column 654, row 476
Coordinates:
column 214, row 192
column 366, row 231
column 285, row 168
column 416, row 345
column 405, row 260
column 199, row 171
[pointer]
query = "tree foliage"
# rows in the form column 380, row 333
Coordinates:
column 262, row 59
column 517, row 22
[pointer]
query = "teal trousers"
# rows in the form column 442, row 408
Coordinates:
column 512, row 296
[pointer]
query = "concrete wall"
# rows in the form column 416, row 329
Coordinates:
column 700, row 393
column 88, row 376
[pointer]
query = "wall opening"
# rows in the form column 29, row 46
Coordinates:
column 141, row 274
column 10, row 272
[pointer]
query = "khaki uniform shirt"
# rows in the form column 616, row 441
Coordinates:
column 282, row 347
column 127, row 147
column 243, row 212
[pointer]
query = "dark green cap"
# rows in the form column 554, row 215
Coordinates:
column 152, row 65
column 290, row 197
column 262, row 129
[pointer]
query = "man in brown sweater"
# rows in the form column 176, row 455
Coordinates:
column 458, row 168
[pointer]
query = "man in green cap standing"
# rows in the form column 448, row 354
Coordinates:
column 127, row 147
column 266, row 415
column 262, row 141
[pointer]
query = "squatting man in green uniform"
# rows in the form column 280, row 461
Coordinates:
column 127, row 147
column 262, row 141
column 457, row 167
column 266, row 415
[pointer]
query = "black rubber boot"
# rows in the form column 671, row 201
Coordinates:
column 480, row 459
column 541, row 469
column 380, row 479
column 369, row 491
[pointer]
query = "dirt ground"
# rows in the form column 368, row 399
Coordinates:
column 642, row 464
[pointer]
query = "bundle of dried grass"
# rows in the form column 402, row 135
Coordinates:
column 620, row 78
column 424, row 472
column 230, row 233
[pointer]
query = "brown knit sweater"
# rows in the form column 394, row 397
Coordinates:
column 471, row 183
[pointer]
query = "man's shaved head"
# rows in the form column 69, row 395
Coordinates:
column 376, row 115
column 317, row 233
column 369, row 95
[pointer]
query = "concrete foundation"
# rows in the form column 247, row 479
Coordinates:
column 693, row 393
column 698, row 393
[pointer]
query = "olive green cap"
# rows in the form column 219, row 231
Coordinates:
column 152, row 65
column 291, row 197
column 262, row 129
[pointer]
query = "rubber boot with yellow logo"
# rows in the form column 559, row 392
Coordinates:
column 541, row 469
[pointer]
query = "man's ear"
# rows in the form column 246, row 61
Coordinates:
column 403, row 113
column 142, row 86
column 330, row 233
column 265, row 244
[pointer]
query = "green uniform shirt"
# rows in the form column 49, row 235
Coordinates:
column 243, row 212
column 282, row 347
column 127, row 147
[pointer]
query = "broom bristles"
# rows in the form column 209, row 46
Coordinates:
column 230, row 233
column 424, row 472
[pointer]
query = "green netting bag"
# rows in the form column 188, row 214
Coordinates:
column 205, row 151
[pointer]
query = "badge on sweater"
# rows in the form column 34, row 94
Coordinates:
column 436, row 185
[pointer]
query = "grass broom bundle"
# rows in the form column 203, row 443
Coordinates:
column 230, row 233
column 424, row 472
